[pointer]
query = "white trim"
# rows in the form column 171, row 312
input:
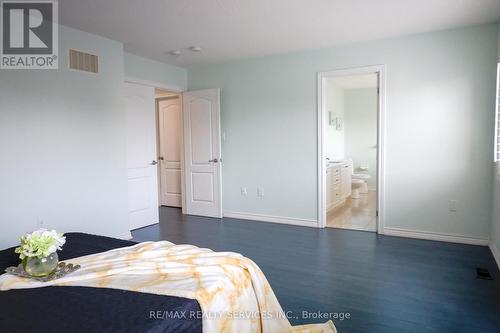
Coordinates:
column 183, row 158
column 376, row 69
column 435, row 236
column 173, row 88
column 126, row 236
column 496, row 253
column 272, row 219
column 497, row 101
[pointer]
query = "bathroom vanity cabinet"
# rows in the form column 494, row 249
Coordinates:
column 338, row 184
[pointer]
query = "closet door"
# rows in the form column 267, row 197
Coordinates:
column 170, row 130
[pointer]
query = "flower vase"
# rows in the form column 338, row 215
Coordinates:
column 39, row 267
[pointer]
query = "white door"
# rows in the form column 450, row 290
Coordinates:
column 170, row 128
column 202, row 148
column 141, row 155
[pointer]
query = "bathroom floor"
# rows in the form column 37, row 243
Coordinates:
column 355, row 214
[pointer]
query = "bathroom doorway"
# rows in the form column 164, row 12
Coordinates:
column 350, row 187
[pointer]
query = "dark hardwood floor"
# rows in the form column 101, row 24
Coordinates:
column 386, row 284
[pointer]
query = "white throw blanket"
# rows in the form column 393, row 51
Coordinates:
column 232, row 291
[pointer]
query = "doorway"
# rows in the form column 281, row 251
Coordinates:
column 351, row 106
column 170, row 133
column 173, row 151
column 189, row 151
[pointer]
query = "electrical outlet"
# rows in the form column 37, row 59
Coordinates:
column 243, row 191
column 260, row 192
column 453, row 206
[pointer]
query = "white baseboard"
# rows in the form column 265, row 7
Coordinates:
column 272, row 219
column 496, row 253
column 126, row 236
column 436, row 236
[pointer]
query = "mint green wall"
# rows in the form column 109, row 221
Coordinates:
column 62, row 144
column 149, row 70
column 438, row 128
column 360, row 121
column 67, row 128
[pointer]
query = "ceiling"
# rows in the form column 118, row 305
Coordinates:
column 236, row 29
column 355, row 81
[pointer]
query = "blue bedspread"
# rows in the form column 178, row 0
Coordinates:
column 83, row 309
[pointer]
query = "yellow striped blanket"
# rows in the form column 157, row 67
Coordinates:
column 232, row 291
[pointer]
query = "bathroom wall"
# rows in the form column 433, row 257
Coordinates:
column 334, row 139
column 438, row 128
column 360, row 120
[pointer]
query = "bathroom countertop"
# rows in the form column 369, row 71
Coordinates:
column 333, row 164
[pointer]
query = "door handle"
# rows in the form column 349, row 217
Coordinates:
column 214, row 160
column 153, row 163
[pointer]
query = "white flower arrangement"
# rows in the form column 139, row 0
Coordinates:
column 40, row 244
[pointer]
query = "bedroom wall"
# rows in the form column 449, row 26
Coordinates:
column 439, row 126
column 360, row 121
column 153, row 71
column 62, row 145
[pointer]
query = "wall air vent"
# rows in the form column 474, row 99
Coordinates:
column 82, row 61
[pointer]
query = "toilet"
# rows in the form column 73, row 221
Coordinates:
column 359, row 182
column 357, row 185
column 363, row 178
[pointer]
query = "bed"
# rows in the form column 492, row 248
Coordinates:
column 86, row 309
column 145, row 287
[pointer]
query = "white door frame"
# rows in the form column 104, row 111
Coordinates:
column 381, row 71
